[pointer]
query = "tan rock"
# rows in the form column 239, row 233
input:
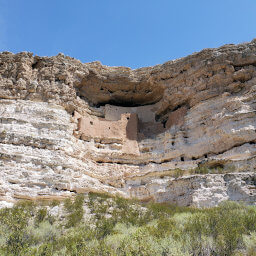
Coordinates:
column 68, row 127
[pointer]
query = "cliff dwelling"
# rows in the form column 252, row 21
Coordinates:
column 122, row 127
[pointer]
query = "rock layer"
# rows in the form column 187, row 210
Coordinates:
column 68, row 127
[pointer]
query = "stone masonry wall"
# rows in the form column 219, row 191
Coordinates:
column 123, row 132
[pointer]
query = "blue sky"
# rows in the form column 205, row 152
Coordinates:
column 132, row 33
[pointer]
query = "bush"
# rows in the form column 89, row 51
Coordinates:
column 14, row 222
column 126, row 227
column 41, row 215
column 75, row 210
column 177, row 173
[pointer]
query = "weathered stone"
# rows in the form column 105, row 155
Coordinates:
column 69, row 127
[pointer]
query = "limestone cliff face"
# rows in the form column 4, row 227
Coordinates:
column 67, row 127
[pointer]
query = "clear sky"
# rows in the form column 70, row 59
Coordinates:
column 132, row 33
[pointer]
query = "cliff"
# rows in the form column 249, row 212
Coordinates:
column 182, row 132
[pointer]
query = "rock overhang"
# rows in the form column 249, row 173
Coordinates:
column 119, row 91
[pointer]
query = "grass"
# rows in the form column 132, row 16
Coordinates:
column 119, row 226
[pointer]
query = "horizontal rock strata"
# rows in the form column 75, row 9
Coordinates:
column 70, row 127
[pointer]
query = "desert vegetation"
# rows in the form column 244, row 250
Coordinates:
column 214, row 169
column 101, row 225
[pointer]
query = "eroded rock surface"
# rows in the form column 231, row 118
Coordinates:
column 70, row 127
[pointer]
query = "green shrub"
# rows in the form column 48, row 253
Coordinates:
column 177, row 173
column 54, row 203
column 200, row 170
column 250, row 244
column 126, row 227
column 41, row 215
column 15, row 221
column 75, row 210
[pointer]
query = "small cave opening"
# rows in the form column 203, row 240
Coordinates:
column 164, row 123
column 117, row 103
column 237, row 68
column 182, row 159
column 179, row 106
column 124, row 103
column 35, row 64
